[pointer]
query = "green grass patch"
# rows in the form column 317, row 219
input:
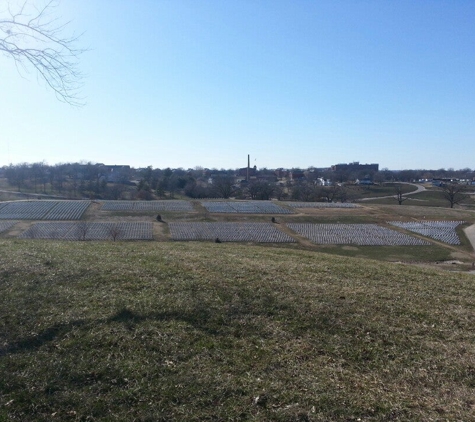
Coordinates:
column 410, row 212
column 203, row 331
column 428, row 198
column 374, row 191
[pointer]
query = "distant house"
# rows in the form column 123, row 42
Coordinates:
column 115, row 173
column 443, row 181
column 323, row 182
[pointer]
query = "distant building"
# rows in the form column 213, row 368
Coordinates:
column 365, row 181
column 443, row 181
column 270, row 178
column 320, row 181
column 296, row 175
column 281, row 173
column 355, row 166
column 243, row 171
column 115, row 173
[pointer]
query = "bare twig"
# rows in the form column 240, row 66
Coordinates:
column 33, row 39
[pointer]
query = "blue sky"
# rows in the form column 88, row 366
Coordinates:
column 292, row 83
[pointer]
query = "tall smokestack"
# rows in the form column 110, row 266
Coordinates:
column 248, row 165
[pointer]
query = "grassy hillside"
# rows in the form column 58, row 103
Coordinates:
column 204, row 331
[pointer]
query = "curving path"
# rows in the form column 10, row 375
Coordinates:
column 470, row 233
column 419, row 188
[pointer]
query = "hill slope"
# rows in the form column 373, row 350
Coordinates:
column 197, row 331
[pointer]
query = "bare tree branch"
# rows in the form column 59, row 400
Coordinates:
column 454, row 193
column 34, row 40
column 400, row 198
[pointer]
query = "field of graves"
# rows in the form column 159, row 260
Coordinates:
column 43, row 210
column 244, row 207
column 90, row 231
column 235, row 310
column 393, row 233
column 229, row 232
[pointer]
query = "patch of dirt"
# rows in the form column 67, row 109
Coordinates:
column 18, row 228
column 458, row 255
column 161, row 232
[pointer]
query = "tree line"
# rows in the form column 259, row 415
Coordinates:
column 89, row 180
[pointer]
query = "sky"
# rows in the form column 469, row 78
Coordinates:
column 297, row 83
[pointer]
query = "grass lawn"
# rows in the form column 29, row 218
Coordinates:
column 201, row 331
column 370, row 191
column 428, row 198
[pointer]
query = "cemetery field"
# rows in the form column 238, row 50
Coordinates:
column 168, row 332
column 421, row 235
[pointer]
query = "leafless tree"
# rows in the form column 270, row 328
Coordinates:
column 400, row 198
column 453, row 193
column 82, row 228
column 330, row 193
column 306, row 192
column 34, row 39
column 115, row 231
column 223, row 186
column 261, row 190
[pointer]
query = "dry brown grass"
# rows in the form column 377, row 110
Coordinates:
column 204, row 331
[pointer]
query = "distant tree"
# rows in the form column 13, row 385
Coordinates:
column 330, row 193
column 408, row 175
column 280, row 193
column 58, row 173
column 343, row 194
column 17, row 175
column 306, row 192
column 147, row 175
column 115, row 191
column 172, row 184
column 82, row 228
column 379, row 177
column 453, row 193
column 223, row 186
column 162, row 186
column 194, row 190
column 115, row 231
column 34, row 39
column 399, row 195
column 261, row 190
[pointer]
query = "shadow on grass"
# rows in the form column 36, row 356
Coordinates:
column 36, row 341
column 241, row 312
